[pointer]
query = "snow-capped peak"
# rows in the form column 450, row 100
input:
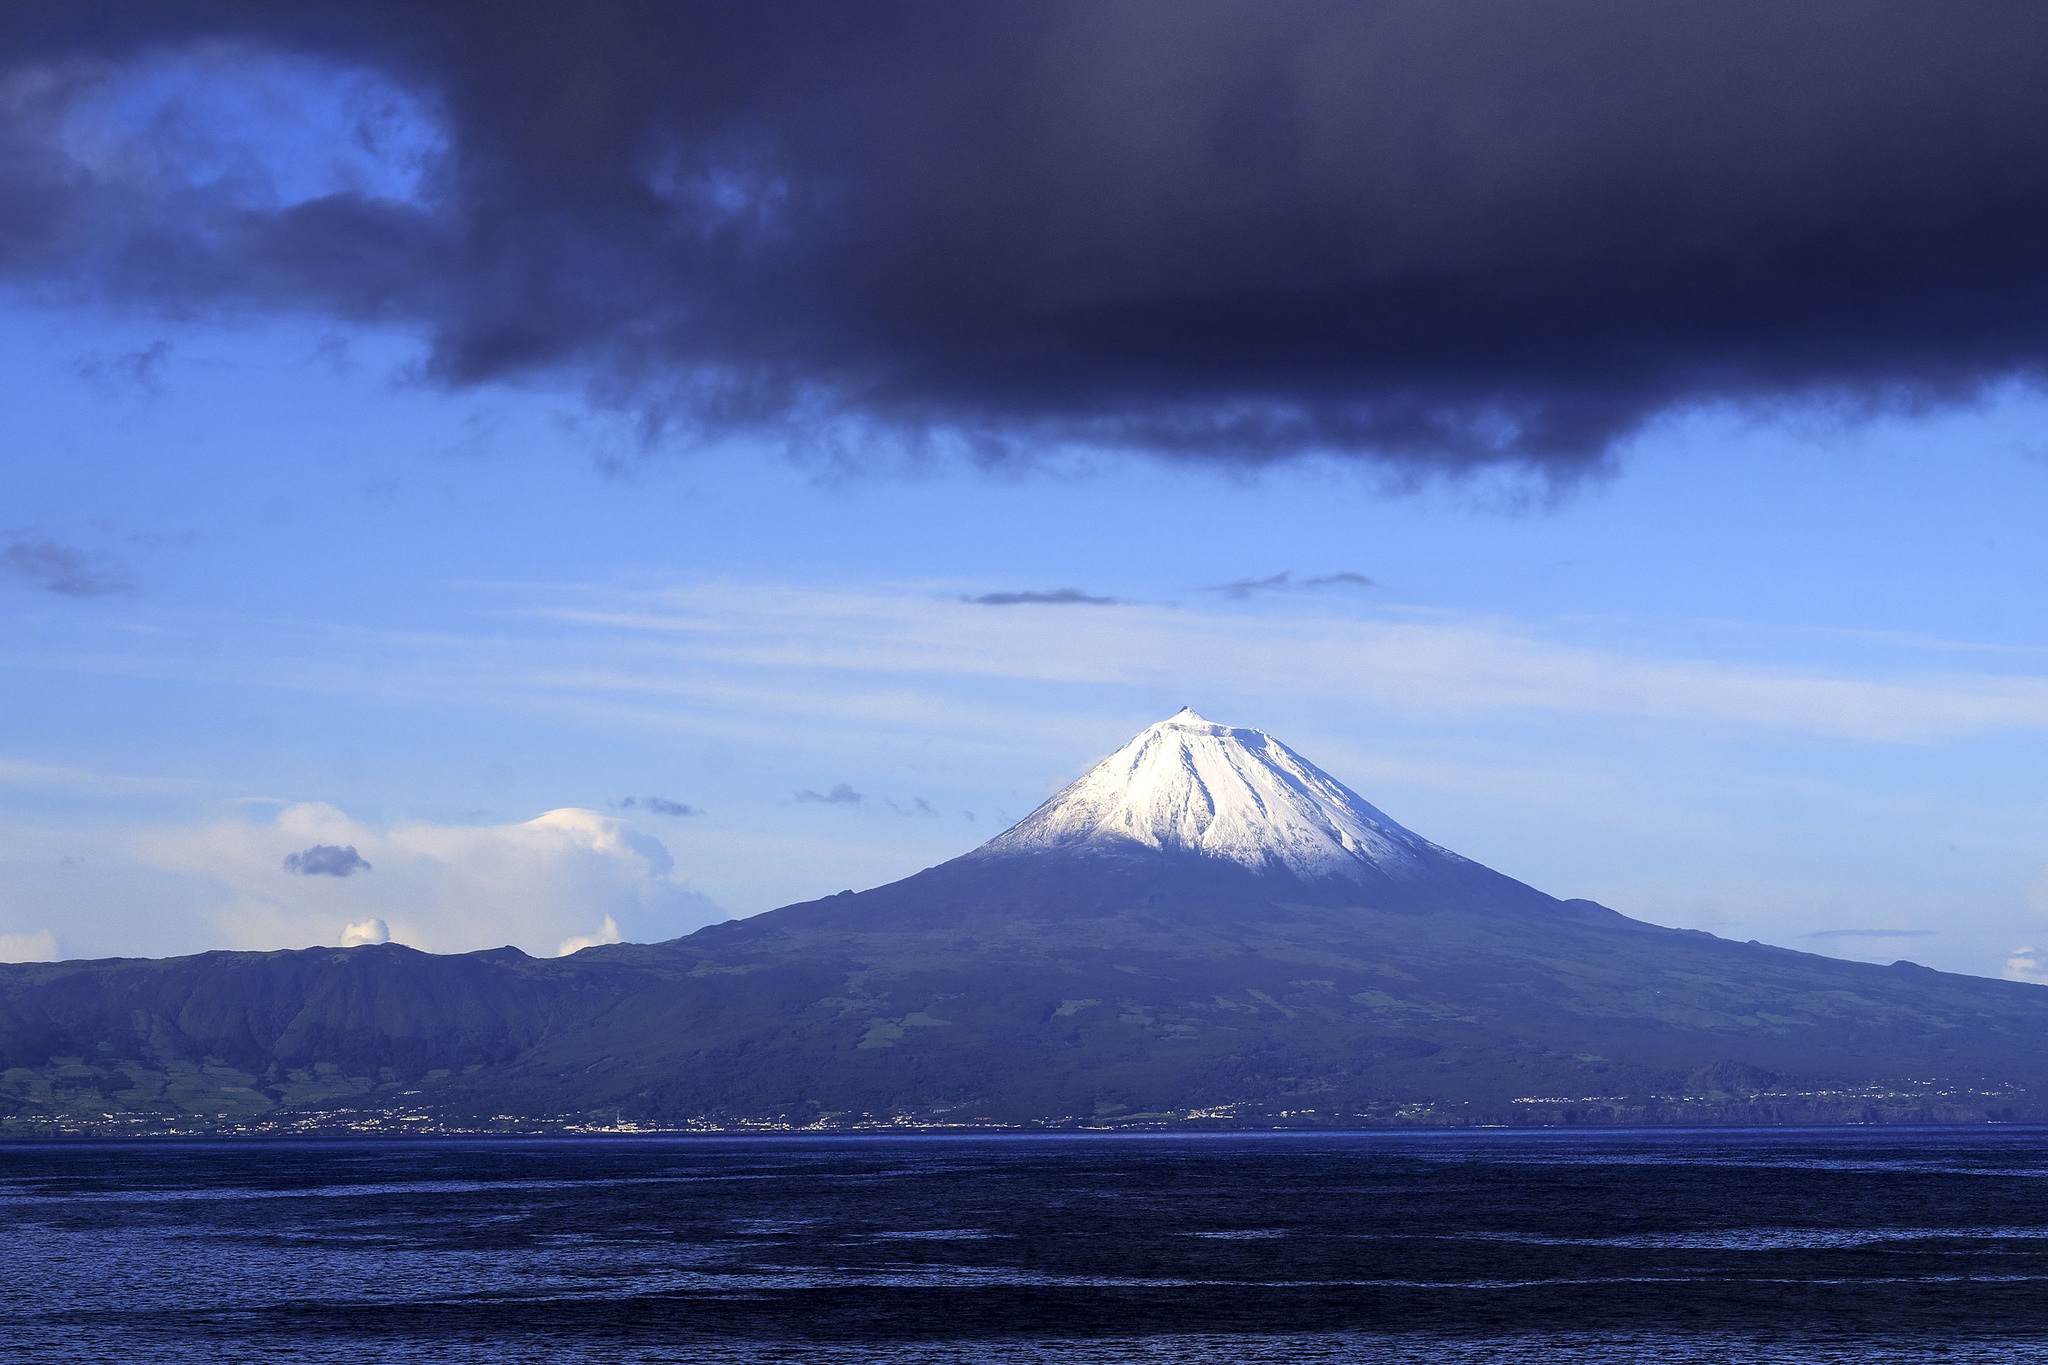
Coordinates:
column 1190, row 785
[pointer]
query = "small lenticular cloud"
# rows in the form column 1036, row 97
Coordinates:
column 1245, row 587
column 365, row 933
column 841, row 795
column 1051, row 597
column 326, row 860
column 661, row 805
column 62, row 570
column 2027, row 964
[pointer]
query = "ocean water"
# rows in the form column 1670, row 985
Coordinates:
column 1673, row 1247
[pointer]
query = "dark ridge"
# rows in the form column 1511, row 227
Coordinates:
column 1036, row 990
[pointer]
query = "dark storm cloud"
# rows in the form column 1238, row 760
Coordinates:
column 62, row 569
column 326, row 860
column 1055, row 597
column 841, row 795
column 1435, row 231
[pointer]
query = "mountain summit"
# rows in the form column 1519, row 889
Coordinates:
column 1189, row 785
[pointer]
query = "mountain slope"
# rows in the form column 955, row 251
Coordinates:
column 1014, row 993
column 1205, row 924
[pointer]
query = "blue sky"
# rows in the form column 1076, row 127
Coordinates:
column 356, row 490
column 1778, row 674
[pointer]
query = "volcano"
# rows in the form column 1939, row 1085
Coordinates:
column 1204, row 928
column 1186, row 785
column 1206, row 799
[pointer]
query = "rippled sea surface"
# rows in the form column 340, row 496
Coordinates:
column 1864, row 1245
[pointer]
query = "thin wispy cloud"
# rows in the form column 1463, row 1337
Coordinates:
column 1052, row 597
column 1870, row 933
column 896, row 656
column 657, row 805
column 1444, row 667
column 841, row 795
column 64, row 570
column 1284, row 581
column 663, row 806
column 141, row 369
column 57, row 777
column 1245, row 587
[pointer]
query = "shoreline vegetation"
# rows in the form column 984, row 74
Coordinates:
column 1875, row 1105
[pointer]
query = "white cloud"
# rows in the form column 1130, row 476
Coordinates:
column 895, row 637
column 364, row 933
column 754, row 655
column 40, row 946
column 2027, row 963
column 441, row 888
column 49, row 776
column 608, row 932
